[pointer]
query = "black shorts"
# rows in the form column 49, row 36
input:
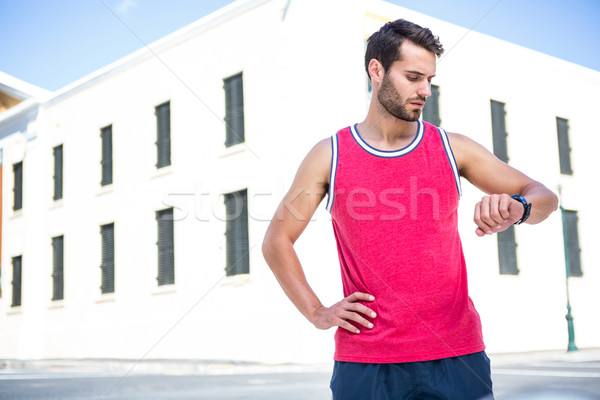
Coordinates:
column 466, row 377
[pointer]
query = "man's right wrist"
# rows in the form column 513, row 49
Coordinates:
column 312, row 315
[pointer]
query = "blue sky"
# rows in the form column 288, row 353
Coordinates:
column 53, row 43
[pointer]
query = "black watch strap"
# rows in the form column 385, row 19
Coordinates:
column 526, row 206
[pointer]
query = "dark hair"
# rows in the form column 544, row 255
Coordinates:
column 384, row 45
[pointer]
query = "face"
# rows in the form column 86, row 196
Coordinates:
column 407, row 83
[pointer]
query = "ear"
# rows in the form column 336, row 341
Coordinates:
column 376, row 71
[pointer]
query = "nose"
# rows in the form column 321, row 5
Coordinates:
column 424, row 89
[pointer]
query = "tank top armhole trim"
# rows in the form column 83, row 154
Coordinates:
column 451, row 159
column 332, row 172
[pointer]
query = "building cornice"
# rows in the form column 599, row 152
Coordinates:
column 21, row 110
column 19, row 89
column 151, row 50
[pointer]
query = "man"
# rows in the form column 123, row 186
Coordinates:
column 407, row 328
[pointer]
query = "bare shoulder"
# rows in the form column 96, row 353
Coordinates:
column 317, row 163
column 466, row 150
column 322, row 149
column 461, row 142
column 483, row 169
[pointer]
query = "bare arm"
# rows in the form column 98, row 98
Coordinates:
column 290, row 220
column 497, row 211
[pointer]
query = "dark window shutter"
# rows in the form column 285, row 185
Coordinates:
column 18, row 186
column 499, row 130
column 163, row 140
column 507, row 252
column 236, row 232
column 564, row 148
column 165, row 244
column 234, row 110
column 571, row 231
column 57, row 268
column 58, row 172
column 17, row 281
column 107, row 158
column 431, row 111
column 107, row 232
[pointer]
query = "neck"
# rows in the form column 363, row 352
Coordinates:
column 379, row 125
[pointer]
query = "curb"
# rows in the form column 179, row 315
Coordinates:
column 581, row 355
column 160, row 366
column 229, row 367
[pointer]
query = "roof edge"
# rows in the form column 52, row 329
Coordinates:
column 206, row 23
column 20, row 89
column 20, row 110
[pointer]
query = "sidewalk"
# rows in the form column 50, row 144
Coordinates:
column 581, row 355
column 224, row 367
column 159, row 366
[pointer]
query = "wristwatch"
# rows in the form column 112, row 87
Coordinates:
column 526, row 206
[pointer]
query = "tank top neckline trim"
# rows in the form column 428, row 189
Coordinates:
column 388, row 153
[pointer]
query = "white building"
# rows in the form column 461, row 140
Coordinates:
column 93, row 267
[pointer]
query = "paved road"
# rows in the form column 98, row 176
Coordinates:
column 543, row 380
column 548, row 380
column 154, row 387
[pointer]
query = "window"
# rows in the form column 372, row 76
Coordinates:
column 234, row 110
column 507, row 245
column 499, row 130
column 166, row 258
column 18, row 186
column 58, row 172
column 107, row 233
column 564, row 149
column 236, row 232
column 163, row 132
column 431, row 111
column 107, row 162
column 507, row 252
column 57, row 268
column 16, row 282
column 570, row 230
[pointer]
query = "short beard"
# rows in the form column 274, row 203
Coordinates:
column 393, row 102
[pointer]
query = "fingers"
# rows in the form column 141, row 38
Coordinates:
column 492, row 214
column 351, row 310
column 347, row 311
column 358, row 296
column 355, row 312
column 358, row 307
column 348, row 326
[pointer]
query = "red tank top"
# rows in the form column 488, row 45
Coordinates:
column 394, row 218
